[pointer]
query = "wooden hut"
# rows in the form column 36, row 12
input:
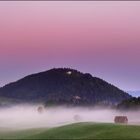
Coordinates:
column 121, row 119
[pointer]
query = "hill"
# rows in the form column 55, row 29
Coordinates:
column 76, row 131
column 63, row 86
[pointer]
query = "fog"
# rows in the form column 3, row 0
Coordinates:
column 27, row 116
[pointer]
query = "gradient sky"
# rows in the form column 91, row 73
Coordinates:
column 101, row 38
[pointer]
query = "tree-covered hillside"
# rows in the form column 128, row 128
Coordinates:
column 130, row 104
column 64, row 86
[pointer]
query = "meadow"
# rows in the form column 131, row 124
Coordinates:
column 84, row 130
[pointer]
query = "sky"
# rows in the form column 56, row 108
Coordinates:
column 101, row 38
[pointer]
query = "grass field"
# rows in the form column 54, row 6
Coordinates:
column 76, row 131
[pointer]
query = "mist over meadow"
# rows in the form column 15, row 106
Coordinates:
column 27, row 116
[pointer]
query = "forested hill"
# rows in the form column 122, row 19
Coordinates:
column 64, row 86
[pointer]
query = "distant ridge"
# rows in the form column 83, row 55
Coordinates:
column 63, row 86
column 134, row 93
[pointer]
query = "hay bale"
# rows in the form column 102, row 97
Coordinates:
column 40, row 109
column 77, row 118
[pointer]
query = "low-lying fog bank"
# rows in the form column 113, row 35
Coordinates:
column 27, row 116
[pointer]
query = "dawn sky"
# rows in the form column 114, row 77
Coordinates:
column 101, row 38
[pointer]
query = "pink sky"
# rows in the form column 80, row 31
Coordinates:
column 102, row 38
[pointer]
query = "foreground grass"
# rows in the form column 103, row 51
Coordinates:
column 77, row 131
